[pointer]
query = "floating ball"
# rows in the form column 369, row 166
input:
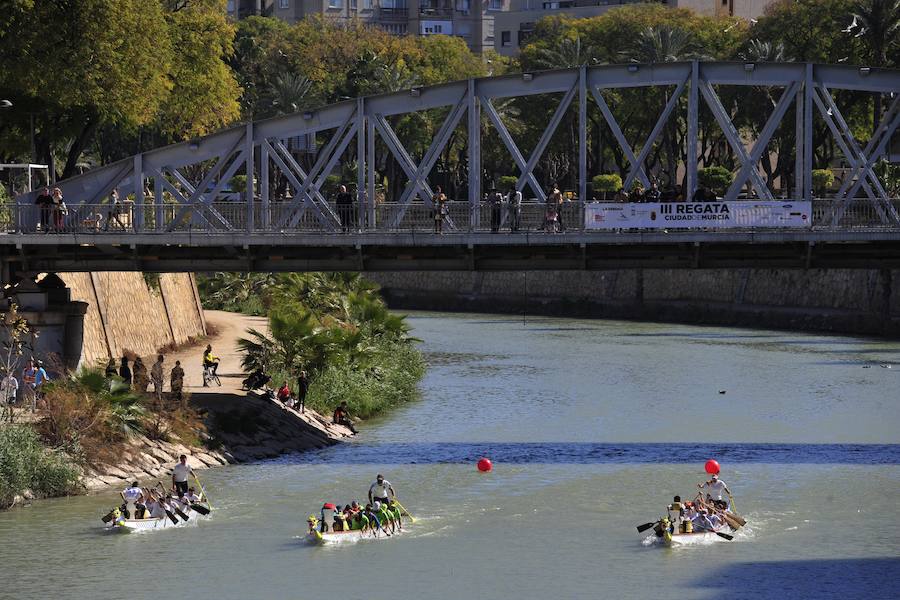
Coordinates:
column 485, row 465
column 712, row 467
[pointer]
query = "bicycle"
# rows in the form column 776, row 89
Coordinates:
column 209, row 375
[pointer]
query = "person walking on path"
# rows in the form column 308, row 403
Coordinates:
column 344, row 203
column 176, row 380
column 9, row 388
column 140, row 375
column 302, row 389
column 180, row 473
column 40, row 378
column 156, row 376
column 125, row 371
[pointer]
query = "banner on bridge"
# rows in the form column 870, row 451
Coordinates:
column 688, row 215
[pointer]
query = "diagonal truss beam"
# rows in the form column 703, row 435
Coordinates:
column 416, row 185
column 197, row 199
column 734, row 140
column 762, row 142
column 862, row 162
column 526, row 168
column 308, row 191
column 403, row 158
column 620, row 138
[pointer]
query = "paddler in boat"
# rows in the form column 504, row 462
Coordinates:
column 180, row 473
column 133, row 497
column 378, row 491
column 374, row 521
column 191, row 495
column 716, row 491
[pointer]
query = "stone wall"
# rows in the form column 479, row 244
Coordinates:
column 842, row 301
column 124, row 313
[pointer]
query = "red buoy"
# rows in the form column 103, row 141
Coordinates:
column 712, row 467
column 485, row 465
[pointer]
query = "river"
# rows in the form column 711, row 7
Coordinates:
column 592, row 427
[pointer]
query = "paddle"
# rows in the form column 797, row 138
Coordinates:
column 108, row 517
column 167, row 511
column 724, row 535
column 177, row 510
column 200, row 509
column 403, row 508
column 646, row 526
column 202, row 491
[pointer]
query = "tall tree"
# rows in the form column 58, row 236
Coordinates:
column 878, row 23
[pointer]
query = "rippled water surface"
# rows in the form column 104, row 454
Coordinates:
column 592, row 426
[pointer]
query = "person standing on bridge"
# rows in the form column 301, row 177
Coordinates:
column 344, row 204
column 44, row 202
column 496, row 199
column 555, row 202
column 439, row 207
column 514, row 200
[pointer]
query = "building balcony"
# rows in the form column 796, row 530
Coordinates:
column 393, row 14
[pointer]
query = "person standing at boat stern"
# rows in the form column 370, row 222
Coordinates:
column 716, row 491
column 378, row 491
column 180, row 474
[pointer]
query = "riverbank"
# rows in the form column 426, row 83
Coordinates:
column 862, row 302
column 239, row 426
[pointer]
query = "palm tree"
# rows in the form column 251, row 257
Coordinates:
column 663, row 44
column 760, row 51
column 568, row 54
column 878, row 23
column 288, row 92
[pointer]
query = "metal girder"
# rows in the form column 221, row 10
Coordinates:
column 734, row 139
column 657, row 129
column 416, row 184
column 238, row 146
column 762, row 142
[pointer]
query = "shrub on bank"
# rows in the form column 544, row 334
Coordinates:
column 26, row 464
column 336, row 327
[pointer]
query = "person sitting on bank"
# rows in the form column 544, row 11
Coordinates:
column 284, row 393
column 180, row 473
column 341, row 416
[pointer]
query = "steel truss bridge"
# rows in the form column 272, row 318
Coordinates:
column 202, row 225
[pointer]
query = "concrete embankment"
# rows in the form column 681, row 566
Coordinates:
column 241, row 427
column 865, row 302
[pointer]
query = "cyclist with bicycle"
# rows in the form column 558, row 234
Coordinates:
column 210, row 364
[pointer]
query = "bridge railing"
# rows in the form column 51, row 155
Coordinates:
column 288, row 217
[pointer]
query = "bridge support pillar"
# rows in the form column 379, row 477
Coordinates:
column 692, row 127
column 361, row 203
column 251, row 180
column 474, row 116
column 582, row 135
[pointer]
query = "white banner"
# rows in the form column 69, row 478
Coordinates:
column 687, row 215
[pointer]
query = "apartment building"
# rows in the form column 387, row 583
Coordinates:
column 471, row 20
column 514, row 26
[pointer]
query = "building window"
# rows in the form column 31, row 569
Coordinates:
column 505, row 39
column 367, row 4
column 462, row 6
column 230, row 7
column 352, row 4
column 284, row 3
column 495, row 5
column 335, row 3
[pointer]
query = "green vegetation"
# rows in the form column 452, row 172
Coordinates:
column 606, row 184
column 715, row 178
column 822, row 180
column 108, row 78
column 25, row 464
column 336, row 327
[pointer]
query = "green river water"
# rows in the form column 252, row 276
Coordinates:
column 592, row 427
